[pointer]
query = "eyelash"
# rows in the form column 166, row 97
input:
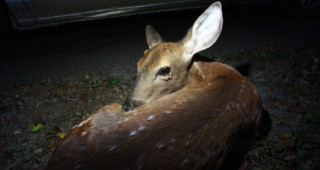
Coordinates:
column 164, row 71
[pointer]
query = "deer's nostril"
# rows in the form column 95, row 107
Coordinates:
column 127, row 106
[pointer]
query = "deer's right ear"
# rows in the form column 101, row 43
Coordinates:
column 204, row 32
column 153, row 37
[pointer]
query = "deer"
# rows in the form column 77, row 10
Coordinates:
column 182, row 112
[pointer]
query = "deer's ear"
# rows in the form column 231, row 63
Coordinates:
column 153, row 37
column 204, row 32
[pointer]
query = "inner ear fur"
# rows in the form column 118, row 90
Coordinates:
column 153, row 37
column 204, row 32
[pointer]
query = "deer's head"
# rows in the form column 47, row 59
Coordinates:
column 164, row 67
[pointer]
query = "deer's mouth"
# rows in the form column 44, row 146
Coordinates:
column 130, row 104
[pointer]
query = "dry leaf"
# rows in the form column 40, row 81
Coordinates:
column 50, row 143
column 39, row 150
column 61, row 135
column 285, row 136
column 286, row 144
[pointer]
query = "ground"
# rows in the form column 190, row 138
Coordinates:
column 54, row 78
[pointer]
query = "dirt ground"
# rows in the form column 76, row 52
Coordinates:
column 35, row 116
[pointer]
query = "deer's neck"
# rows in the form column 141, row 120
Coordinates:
column 201, row 71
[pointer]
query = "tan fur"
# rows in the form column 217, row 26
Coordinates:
column 193, row 128
column 157, row 54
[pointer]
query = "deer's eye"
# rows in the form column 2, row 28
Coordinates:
column 164, row 71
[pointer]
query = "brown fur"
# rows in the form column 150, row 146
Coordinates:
column 203, row 130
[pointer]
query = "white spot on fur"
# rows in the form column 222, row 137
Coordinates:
column 199, row 70
column 184, row 100
column 238, row 106
column 243, row 81
column 199, row 89
column 85, row 121
column 244, row 104
column 174, row 106
column 132, row 133
column 243, row 86
column 178, row 101
column 105, row 107
column 119, row 122
column 203, row 76
column 159, row 145
column 84, row 133
column 74, row 126
column 132, row 112
column 228, row 107
column 126, row 119
column 209, row 84
column 112, row 148
column 241, row 91
column 255, row 92
column 208, row 154
column 141, row 127
column 78, row 166
column 213, row 153
column 172, row 140
column 150, row 117
column 167, row 111
column 185, row 161
column 191, row 97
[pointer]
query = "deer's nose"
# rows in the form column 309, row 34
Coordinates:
column 128, row 105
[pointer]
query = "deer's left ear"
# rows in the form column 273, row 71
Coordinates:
column 153, row 37
column 204, row 32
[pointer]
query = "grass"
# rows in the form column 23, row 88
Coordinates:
column 305, row 90
column 299, row 147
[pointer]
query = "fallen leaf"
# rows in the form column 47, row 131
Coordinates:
column 285, row 136
column 61, row 135
column 288, row 158
column 37, row 127
column 17, row 132
column 50, row 143
column 272, row 86
column 39, row 150
column 258, row 75
column 286, row 144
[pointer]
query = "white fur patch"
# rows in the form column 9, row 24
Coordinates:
column 150, row 117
